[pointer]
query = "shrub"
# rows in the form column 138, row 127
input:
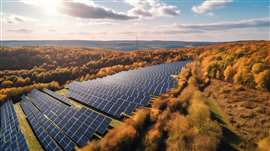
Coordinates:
column 258, row 67
column 198, row 110
column 244, row 77
column 178, row 138
column 262, row 80
column 264, row 144
column 141, row 118
column 3, row 97
column 7, row 83
column 152, row 139
column 228, row 73
column 119, row 139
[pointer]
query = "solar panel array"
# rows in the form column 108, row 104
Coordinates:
column 11, row 137
column 59, row 126
column 125, row 91
column 57, row 96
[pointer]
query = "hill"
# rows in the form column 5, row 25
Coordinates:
column 112, row 45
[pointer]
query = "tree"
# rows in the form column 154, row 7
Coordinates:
column 228, row 73
column 262, row 80
column 7, row 83
column 258, row 67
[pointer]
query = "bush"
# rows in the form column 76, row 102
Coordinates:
column 244, row 77
column 152, row 139
column 178, row 138
column 7, row 83
column 264, row 144
column 198, row 110
column 119, row 139
column 141, row 118
column 3, row 97
column 228, row 73
column 258, row 67
column 262, row 80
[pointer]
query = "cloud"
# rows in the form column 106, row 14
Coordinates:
column 209, row 5
column 12, row 18
column 22, row 30
column 221, row 26
column 81, row 10
column 160, row 32
column 151, row 8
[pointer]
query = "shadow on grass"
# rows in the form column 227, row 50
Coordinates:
column 229, row 139
column 217, row 118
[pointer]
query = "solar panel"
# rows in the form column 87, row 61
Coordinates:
column 125, row 91
column 47, row 142
column 57, row 96
column 55, row 132
column 77, row 124
column 11, row 137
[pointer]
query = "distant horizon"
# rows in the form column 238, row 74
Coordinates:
column 137, row 40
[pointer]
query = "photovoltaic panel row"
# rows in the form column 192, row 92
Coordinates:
column 47, row 142
column 114, row 108
column 78, row 125
column 125, row 91
column 60, row 109
column 57, row 96
column 11, row 137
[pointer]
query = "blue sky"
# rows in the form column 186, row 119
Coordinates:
column 183, row 20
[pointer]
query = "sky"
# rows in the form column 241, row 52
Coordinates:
column 178, row 20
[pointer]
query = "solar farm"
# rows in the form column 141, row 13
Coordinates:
column 59, row 124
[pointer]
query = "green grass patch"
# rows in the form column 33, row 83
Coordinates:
column 115, row 123
column 63, row 92
column 31, row 140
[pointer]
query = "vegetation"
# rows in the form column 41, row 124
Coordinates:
column 25, row 68
column 244, row 63
column 174, row 122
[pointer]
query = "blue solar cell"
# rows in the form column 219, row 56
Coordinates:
column 11, row 137
column 70, row 121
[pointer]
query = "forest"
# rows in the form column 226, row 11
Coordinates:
column 25, row 68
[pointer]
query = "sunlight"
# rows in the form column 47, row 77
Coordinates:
column 50, row 6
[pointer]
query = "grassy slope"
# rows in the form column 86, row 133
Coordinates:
column 246, row 110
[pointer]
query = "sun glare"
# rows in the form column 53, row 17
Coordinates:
column 50, row 6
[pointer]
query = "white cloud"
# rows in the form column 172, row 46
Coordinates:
column 151, row 8
column 13, row 18
column 221, row 26
column 209, row 5
column 22, row 30
column 85, row 9
column 81, row 10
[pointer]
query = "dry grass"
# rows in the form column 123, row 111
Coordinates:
column 248, row 110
